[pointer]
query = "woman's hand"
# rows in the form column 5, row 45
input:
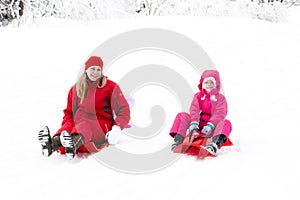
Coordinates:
column 113, row 135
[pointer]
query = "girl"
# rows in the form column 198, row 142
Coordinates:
column 96, row 112
column 207, row 114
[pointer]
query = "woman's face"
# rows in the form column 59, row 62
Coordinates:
column 94, row 72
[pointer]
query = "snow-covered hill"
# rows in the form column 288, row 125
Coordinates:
column 259, row 66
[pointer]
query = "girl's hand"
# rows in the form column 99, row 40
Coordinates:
column 194, row 127
column 208, row 129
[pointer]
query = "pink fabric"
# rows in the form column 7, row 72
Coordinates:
column 195, row 108
column 212, row 108
column 223, row 127
column 181, row 124
column 215, row 75
column 212, row 105
column 205, row 107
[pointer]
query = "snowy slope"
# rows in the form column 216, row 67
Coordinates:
column 259, row 66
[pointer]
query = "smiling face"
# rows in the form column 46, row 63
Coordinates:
column 94, row 72
column 209, row 85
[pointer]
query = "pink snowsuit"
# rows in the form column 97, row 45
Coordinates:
column 205, row 107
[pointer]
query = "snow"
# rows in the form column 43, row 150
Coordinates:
column 292, row 15
column 259, row 66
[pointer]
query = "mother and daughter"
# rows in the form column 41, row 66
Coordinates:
column 97, row 111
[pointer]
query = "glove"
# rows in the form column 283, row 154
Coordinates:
column 194, row 127
column 112, row 136
column 208, row 129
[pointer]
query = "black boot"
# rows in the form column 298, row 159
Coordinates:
column 56, row 144
column 45, row 140
column 217, row 141
column 178, row 139
column 49, row 145
column 71, row 143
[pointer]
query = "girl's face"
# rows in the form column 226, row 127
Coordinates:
column 94, row 72
column 209, row 85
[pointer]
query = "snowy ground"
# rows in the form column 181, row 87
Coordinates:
column 259, row 66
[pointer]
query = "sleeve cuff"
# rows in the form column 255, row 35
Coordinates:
column 211, row 125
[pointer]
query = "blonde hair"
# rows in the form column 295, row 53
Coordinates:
column 81, row 85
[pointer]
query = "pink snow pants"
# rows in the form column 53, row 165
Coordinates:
column 182, row 122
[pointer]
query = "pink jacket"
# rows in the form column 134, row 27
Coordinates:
column 208, row 107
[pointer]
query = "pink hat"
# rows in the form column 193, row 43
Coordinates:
column 93, row 61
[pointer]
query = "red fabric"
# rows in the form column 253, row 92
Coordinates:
column 100, row 110
column 93, row 61
column 190, row 147
column 193, row 148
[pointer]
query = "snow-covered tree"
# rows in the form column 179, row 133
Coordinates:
column 292, row 2
column 10, row 10
column 153, row 7
column 75, row 9
column 271, row 10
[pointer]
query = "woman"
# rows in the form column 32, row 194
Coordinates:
column 96, row 112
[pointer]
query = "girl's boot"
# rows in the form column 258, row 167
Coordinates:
column 217, row 142
column 178, row 139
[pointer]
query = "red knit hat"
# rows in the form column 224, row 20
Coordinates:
column 93, row 61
